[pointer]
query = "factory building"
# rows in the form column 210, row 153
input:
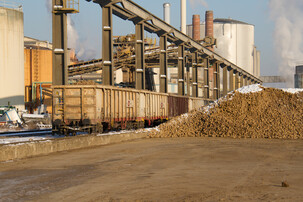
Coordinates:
column 12, row 57
column 299, row 76
column 37, row 73
column 234, row 41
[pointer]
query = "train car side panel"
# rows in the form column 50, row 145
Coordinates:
column 141, row 99
column 195, row 103
column 72, row 104
column 177, row 105
column 58, row 105
column 89, row 107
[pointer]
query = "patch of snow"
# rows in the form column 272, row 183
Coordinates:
column 116, row 132
column 250, row 89
column 23, row 140
column 20, row 139
column 8, row 161
column 292, row 90
column 184, row 115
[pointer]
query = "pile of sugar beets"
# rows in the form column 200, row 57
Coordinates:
column 268, row 113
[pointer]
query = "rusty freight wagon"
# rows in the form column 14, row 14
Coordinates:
column 93, row 108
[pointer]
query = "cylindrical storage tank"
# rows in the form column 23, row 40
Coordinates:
column 166, row 12
column 196, row 27
column 235, row 42
column 11, row 57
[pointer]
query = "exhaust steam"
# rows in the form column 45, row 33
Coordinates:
column 287, row 16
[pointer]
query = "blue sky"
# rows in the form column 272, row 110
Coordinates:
column 37, row 22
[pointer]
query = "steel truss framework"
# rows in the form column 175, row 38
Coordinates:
column 191, row 54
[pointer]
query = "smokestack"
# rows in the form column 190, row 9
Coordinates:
column 209, row 25
column 183, row 16
column 166, row 12
column 196, row 27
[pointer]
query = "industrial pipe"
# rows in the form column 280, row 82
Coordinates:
column 183, row 16
column 166, row 12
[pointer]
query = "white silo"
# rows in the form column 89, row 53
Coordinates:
column 11, row 57
column 235, row 42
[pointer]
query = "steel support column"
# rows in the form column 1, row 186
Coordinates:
column 224, row 80
column 241, row 81
column 231, row 80
column 181, row 61
column 163, row 64
column 195, row 75
column 245, row 80
column 140, row 59
column 237, row 81
column 216, row 80
column 206, row 78
column 107, row 46
column 60, row 53
column 188, row 83
column 249, row 81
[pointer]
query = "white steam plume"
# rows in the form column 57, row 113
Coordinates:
column 196, row 3
column 48, row 4
column 288, row 15
column 72, row 34
column 80, row 45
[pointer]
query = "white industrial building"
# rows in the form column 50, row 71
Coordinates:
column 235, row 42
column 11, row 57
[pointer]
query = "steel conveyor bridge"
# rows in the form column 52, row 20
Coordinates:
column 189, row 52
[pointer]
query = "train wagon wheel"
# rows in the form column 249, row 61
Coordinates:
column 65, row 132
column 99, row 128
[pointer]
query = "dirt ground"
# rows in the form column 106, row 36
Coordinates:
column 161, row 169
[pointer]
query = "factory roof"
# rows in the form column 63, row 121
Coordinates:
column 226, row 20
column 11, row 5
column 229, row 20
column 31, row 42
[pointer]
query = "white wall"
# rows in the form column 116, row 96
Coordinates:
column 235, row 42
column 11, row 58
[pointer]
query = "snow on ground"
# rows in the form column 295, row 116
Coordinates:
column 292, row 90
column 116, row 132
column 142, row 130
column 250, row 89
column 257, row 88
column 21, row 139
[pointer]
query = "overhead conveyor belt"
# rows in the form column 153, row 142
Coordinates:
column 129, row 10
